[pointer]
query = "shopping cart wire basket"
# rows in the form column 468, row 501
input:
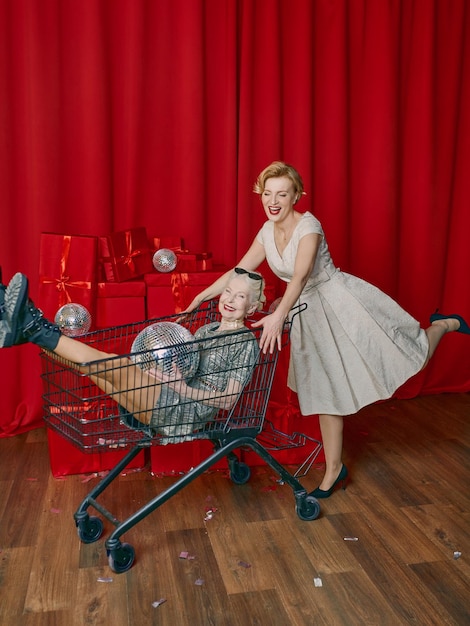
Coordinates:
column 137, row 407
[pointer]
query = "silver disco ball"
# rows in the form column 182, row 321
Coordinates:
column 164, row 343
column 164, row 260
column 73, row 319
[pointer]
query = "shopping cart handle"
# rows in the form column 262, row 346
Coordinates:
column 296, row 310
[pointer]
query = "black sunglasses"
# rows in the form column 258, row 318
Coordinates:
column 253, row 276
column 240, row 270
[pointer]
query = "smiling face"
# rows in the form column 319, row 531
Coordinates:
column 235, row 300
column 278, row 198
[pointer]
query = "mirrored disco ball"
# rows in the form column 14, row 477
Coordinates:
column 73, row 319
column 164, row 260
column 166, row 343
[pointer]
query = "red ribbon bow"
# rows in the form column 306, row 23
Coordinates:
column 63, row 282
column 128, row 258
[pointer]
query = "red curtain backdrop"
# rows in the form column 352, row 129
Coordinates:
column 161, row 113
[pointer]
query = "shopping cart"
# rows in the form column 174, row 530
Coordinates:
column 95, row 420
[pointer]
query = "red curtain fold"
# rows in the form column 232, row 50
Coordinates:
column 121, row 113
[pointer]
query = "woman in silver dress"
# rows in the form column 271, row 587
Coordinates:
column 163, row 400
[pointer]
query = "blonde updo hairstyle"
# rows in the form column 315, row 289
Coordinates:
column 256, row 288
column 278, row 169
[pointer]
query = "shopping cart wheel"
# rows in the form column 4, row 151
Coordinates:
column 89, row 529
column 239, row 473
column 307, row 508
column 121, row 558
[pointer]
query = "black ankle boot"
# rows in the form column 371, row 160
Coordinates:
column 2, row 315
column 14, row 299
column 22, row 321
column 2, row 300
column 37, row 329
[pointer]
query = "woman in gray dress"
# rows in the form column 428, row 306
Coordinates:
column 353, row 345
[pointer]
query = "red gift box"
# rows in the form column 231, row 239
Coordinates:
column 172, row 293
column 168, row 242
column 125, row 255
column 196, row 282
column 67, row 272
column 161, row 300
column 120, row 303
column 66, row 459
column 194, row 261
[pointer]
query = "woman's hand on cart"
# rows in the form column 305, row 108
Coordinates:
column 273, row 326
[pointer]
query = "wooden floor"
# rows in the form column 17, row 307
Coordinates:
column 253, row 561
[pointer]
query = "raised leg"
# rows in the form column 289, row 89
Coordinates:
column 117, row 376
column 436, row 332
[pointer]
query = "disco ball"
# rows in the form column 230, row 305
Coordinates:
column 73, row 319
column 164, row 343
column 164, row 260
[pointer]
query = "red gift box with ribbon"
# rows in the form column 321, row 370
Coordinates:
column 169, row 242
column 173, row 292
column 120, row 303
column 194, row 282
column 194, row 261
column 162, row 294
column 67, row 272
column 125, row 255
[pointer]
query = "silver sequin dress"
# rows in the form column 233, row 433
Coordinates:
column 353, row 345
column 222, row 356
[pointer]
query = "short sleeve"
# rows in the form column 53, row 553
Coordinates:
column 260, row 237
column 309, row 224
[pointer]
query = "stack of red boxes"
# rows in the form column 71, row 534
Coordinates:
column 69, row 271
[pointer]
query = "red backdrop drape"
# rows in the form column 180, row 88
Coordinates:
column 118, row 113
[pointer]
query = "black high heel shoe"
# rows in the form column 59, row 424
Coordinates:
column 464, row 327
column 322, row 493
